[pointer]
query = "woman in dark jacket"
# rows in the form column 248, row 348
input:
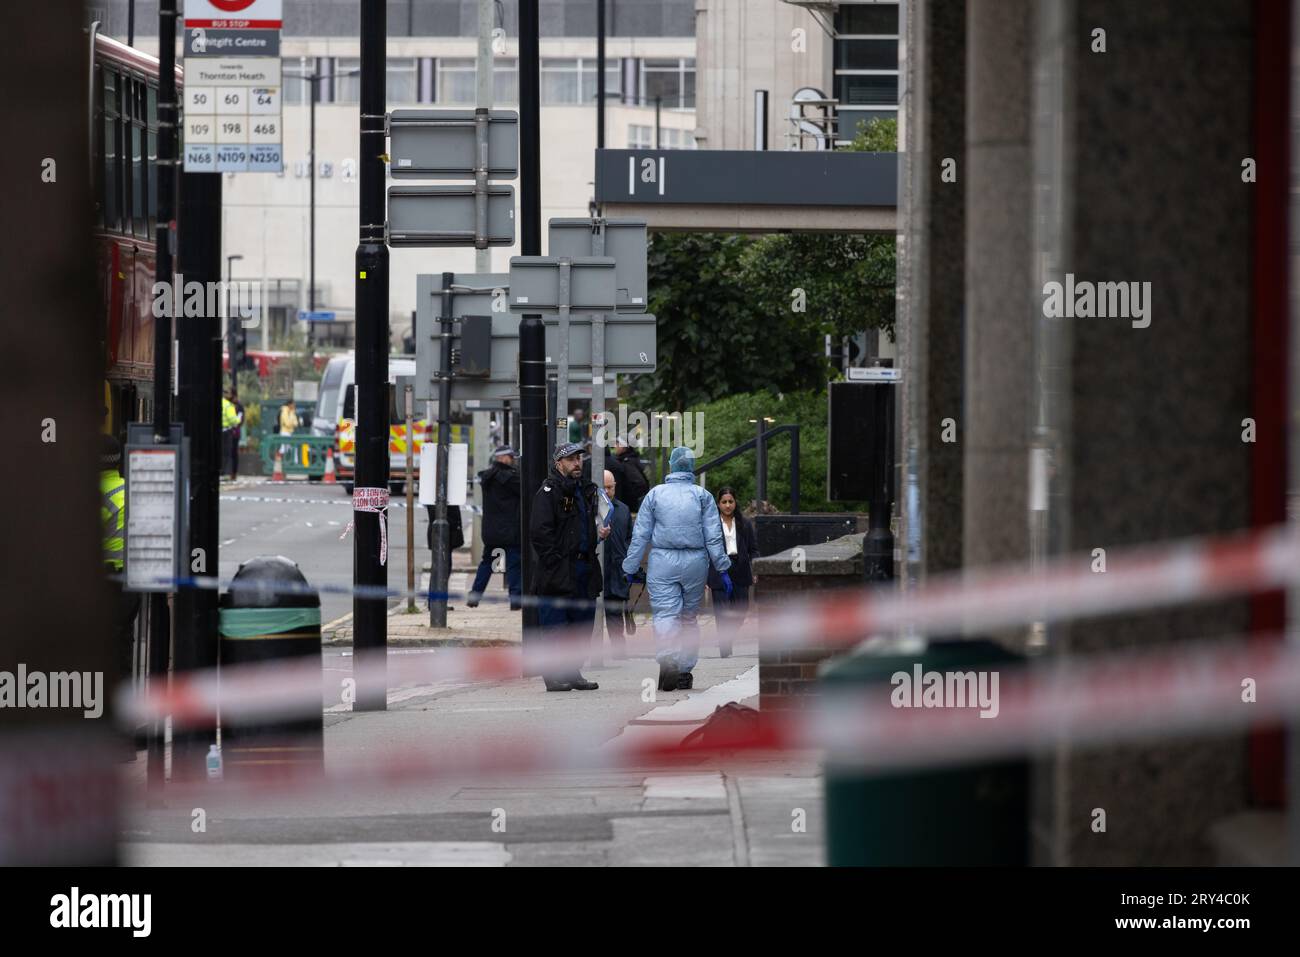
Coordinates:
column 741, row 543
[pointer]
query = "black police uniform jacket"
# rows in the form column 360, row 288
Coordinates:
column 559, row 534
column 500, row 484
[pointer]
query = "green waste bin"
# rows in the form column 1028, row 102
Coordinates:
column 270, row 614
column 974, row 814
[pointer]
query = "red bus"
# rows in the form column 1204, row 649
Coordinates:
column 122, row 111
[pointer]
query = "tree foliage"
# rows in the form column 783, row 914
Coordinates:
column 739, row 314
column 726, row 424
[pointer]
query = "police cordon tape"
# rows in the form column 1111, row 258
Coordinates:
column 1112, row 699
column 1139, row 578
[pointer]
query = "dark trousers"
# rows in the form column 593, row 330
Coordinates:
column 730, row 611
column 614, row 611
column 562, row 619
column 126, row 605
column 484, row 573
column 231, row 437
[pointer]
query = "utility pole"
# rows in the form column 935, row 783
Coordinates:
column 532, row 333
column 440, row 566
column 236, row 344
column 198, row 407
column 159, row 614
column 483, row 94
column 370, row 492
column 600, row 75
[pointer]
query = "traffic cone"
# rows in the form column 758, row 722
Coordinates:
column 329, row 466
column 278, row 474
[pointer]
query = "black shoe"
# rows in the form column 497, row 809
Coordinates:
column 558, row 685
column 685, row 681
column 668, row 676
column 579, row 683
column 471, row 604
column 515, row 607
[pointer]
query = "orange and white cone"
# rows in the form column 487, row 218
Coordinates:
column 278, row 474
column 329, row 466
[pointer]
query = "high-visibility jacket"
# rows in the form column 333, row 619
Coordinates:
column 112, row 514
column 229, row 414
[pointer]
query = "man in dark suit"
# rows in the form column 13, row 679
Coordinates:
column 564, row 535
column 500, row 484
column 619, row 523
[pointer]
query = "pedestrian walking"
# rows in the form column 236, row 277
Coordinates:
column 741, row 544
column 619, row 522
column 564, row 533
column 288, row 422
column 500, row 485
column 629, row 478
column 679, row 522
column 112, row 514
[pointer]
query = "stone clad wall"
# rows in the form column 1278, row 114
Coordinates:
column 786, row 678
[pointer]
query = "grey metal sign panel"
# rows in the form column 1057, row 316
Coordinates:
column 444, row 216
column 630, row 344
column 476, row 294
column 624, row 240
column 439, row 144
column 747, row 177
column 535, row 284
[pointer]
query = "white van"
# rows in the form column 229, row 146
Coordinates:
column 335, row 415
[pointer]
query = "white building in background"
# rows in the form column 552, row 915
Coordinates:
column 650, row 50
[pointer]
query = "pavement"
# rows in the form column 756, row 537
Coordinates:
column 719, row 812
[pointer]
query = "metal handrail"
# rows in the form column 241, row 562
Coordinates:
column 749, row 444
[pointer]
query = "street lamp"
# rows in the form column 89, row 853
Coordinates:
column 313, row 79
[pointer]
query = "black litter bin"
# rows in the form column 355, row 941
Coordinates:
column 278, row 622
column 974, row 814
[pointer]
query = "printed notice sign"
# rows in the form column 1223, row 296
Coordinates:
column 152, row 526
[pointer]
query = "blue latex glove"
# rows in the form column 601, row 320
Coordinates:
column 726, row 583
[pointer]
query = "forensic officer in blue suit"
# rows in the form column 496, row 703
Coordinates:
column 679, row 522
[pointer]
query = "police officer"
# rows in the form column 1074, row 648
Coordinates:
column 112, row 514
column 500, row 484
column 564, row 536
column 232, row 417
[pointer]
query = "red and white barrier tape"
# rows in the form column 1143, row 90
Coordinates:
column 971, row 602
column 1111, row 699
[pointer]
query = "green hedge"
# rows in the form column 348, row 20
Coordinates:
column 726, row 424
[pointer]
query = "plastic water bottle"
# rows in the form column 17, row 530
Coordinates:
column 214, row 763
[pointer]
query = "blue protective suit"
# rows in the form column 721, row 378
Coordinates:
column 679, row 521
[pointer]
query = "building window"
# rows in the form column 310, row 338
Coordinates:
column 505, row 80
column 347, row 80
column 402, row 84
column 641, row 137
column 670, row 82
column 559, row 81
column 455, row 82
column 866, row 58
column 294, row 87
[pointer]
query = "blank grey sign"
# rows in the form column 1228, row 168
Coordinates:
column 625, row 241
column 630, row 343
column 535, row 284
column 439, row 144
column 444, row 216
